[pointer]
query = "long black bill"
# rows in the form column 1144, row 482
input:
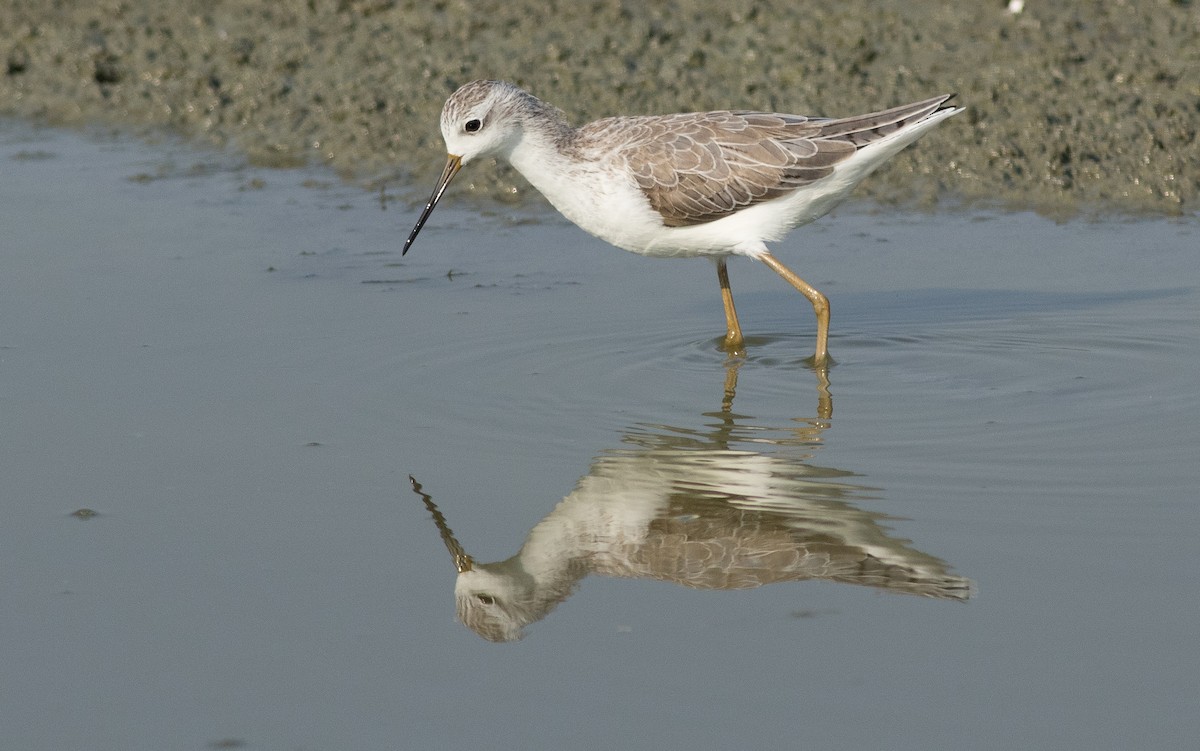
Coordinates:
column 453, row 164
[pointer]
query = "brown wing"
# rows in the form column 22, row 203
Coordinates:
column 698, row 167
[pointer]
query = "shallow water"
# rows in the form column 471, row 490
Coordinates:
column 238, row 372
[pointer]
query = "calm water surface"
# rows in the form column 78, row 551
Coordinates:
column 980, row 535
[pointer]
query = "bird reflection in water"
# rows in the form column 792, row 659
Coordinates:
column 698, row 509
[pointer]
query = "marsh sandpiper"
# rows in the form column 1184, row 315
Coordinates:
column 710, row 184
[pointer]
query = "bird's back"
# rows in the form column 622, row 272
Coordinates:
column 698, row 167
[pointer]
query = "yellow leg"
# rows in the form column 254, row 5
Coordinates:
column 819, row 302
column 734, row 342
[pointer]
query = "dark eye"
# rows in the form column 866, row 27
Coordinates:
column 485, row 599
column 473, row 125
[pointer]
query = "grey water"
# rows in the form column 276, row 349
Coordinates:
column 216, row 381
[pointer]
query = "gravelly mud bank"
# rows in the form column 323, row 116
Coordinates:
column 1092, row 105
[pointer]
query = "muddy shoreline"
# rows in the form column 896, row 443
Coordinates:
column 1093, row 106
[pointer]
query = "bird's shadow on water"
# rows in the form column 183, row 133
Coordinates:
column 732, row 504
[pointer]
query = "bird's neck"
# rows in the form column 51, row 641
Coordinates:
column 540, row 148
column 546, row 156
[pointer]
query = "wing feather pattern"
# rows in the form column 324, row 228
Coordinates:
column 698, row 167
